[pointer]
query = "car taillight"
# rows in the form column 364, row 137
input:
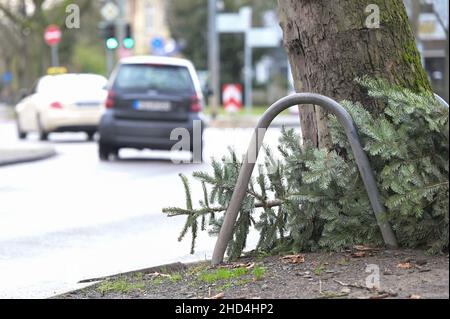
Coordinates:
column 56, row 105
column 110, row 100
column 196, row 104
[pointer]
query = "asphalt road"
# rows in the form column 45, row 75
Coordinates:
column 73, row 217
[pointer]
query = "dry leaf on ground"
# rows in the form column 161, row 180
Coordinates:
column 294, row 259
column 218, row 296
column 404, row 265
column 364, row 251
column 358, row 254
column 365, row 248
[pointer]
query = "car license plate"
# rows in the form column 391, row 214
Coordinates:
column 87, row 104
column 152, row 106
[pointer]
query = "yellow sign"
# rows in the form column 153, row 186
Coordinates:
column 427, row 27
column 54, row 70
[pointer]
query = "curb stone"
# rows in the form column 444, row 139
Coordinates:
column 13, row 155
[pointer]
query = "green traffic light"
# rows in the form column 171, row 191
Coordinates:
column 112, row 43
column 128, row 43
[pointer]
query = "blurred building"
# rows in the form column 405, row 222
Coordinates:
column 148, row 22
column 430, row 23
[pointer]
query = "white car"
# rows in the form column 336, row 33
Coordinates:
column 62, row 103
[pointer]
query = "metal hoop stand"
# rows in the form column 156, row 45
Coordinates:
column 245, row 173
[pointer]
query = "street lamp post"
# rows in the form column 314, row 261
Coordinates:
column 248, row 73
column 213, row 57
column 55, row 56
column 121, row 25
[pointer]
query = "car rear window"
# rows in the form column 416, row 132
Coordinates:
column 78, row 83
column 161, row 78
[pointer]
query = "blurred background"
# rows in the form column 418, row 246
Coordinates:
column 176, row 28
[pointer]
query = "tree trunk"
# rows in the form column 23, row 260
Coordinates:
column 330, row 43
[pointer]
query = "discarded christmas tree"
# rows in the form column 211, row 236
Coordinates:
column 314, row 198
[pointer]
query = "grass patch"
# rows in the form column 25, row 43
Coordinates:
column 197, row 269
column 222, row 274
column 120, row 285
column 319, row 269
column 226, row 286
column 139, row 276
column 157, row 281
column 230, row 283
column 343, row 261
column 176, row 277
column 259, row 272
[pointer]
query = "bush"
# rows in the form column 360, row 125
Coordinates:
column 315, row 199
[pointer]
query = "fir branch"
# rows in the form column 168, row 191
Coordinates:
column 175, row 211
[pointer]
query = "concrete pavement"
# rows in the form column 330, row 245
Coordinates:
column 21, row 154
column 13, row 151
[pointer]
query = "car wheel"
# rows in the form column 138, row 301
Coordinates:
column 105, row 150
column 21, row 134
column 114, row 152
column 91, row 136
column 43, row 136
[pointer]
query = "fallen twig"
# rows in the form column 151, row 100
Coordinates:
column 380, row 293
column 248, row 265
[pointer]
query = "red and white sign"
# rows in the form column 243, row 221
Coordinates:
column 52, row 35
column 232, row 97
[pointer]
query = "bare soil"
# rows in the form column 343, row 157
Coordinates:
column 402, row 274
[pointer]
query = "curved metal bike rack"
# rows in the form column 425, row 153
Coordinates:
column 248, row 164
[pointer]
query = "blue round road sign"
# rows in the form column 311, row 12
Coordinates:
column 157, row 43
column 7, row 77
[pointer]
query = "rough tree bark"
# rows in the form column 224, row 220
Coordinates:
column 329, row 44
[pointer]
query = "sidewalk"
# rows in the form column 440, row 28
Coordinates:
column 11, row 150
column 21, row 154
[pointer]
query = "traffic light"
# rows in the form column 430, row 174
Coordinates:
column 111, row 41
column 128, row 41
